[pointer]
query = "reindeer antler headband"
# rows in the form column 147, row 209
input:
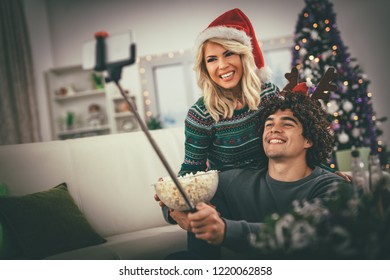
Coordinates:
column 321, row 92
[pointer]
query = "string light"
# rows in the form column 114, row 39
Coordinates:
column 306, row 15
column 297, row 47
column 369, row 94
column 346, row 83
column 360, row 81
column 146, row 66
column 315, row 25
column 304, row 40
column 327, row 29
column 311, row 57
column 326, row 21
column 334, row 47
column 332, row 165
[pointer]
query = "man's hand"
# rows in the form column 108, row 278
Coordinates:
column 206, row 224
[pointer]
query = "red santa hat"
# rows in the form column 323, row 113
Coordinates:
column 235, row 25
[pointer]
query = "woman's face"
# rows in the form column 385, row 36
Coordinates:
column 224, row 67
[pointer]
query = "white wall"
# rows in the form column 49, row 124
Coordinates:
column 172, row 25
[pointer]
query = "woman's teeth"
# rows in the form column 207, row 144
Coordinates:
column 227, row 75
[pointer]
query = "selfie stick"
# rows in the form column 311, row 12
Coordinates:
column 114, row 74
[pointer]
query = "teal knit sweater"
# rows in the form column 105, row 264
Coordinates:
column 229, row 143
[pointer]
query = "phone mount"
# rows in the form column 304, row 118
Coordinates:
column 114, row 71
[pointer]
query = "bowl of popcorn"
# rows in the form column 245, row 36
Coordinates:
column 199, row 187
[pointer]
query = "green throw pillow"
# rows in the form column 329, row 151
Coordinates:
column 46, row 223
column 8, row 248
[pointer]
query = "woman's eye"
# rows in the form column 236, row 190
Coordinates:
column 229, row 54
column 210, row 60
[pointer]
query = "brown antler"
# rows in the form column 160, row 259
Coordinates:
column 325, row 85
column 292, row 78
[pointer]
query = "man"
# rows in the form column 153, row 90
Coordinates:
column 296, row 140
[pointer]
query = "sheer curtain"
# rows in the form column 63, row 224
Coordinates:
column 18, row 104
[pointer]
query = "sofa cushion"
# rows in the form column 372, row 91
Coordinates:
column 148, row 244
column 46, row 223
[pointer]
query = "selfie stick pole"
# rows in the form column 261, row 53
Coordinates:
column 114, row 72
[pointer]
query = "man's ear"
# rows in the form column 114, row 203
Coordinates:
column 308, row 144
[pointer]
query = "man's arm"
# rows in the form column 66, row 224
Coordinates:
column 207, row 225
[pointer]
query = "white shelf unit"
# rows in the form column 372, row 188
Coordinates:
column 123, row 119
column 71, row 89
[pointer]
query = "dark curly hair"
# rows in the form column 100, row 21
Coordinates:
column 313, row 119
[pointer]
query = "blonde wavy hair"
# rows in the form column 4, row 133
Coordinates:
column 218, row 101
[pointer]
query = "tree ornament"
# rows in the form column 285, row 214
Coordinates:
column 343, row 137
column 356, row 132
column 335, row 126
column 347, row 106
column 314, row 35
column 333, row 107
column 307, row 72
column 302, row 52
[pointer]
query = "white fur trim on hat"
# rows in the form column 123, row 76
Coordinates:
column 224, row 32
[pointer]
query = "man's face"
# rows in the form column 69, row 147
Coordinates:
column 282, row 137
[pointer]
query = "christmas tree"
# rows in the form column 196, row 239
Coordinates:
column 318, row 46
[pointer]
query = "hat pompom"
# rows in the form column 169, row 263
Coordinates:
column 264, row 74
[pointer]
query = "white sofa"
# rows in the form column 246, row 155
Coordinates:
column 110, row 178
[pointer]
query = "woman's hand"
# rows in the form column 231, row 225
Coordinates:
column 181, row 218
column 156, row 198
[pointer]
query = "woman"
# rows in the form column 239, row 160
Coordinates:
column 221, row 127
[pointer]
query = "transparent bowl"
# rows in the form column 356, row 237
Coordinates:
column 200, row 187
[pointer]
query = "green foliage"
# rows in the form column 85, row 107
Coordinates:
column 153, row 123
column 342, row 226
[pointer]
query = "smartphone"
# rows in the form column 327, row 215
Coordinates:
column 117, row 49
